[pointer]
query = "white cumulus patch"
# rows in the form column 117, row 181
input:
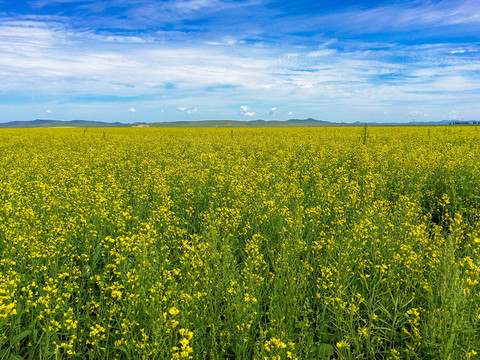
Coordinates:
column 187, row 109
column 246, row 111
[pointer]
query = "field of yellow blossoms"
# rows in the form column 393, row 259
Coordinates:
column 294, row 243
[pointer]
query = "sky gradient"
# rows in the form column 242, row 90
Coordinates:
column 145, row 61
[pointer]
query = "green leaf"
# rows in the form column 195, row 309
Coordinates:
column 121, row 348
column 20, row 307
column 16, row 357
column 325, row 350
column 20, row 336
column 32, row 354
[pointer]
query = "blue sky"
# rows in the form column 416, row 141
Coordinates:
column 145, row 60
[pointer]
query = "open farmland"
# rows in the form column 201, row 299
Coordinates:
column 307, row 243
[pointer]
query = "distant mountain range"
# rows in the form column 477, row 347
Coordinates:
column 39, row 123
column 59, row 123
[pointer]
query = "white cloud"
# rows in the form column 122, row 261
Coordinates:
column 226, row 40
column 46, row 57
column 49, row 111
column 246, row 111
column 417, row 114
column 453, row 115
column 132, row 110
column 194, row 5
column 410, row 15
column 272, row 111
column 43, row 3
column 81, row 65
column 292, row 55
column 155, row 12
column 290, row 113
column 187, row 110
column 117, row 38
column 321, row 52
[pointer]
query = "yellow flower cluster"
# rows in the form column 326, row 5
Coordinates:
column 267, row 243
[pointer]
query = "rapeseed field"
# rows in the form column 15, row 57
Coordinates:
column 293, row 243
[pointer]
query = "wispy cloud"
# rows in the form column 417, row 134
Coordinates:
column 152, row 12
column 398, row 16
column 225, row 40
column 321, row 52
column 43, row 3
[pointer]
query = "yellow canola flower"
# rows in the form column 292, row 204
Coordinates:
column 173, row 311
